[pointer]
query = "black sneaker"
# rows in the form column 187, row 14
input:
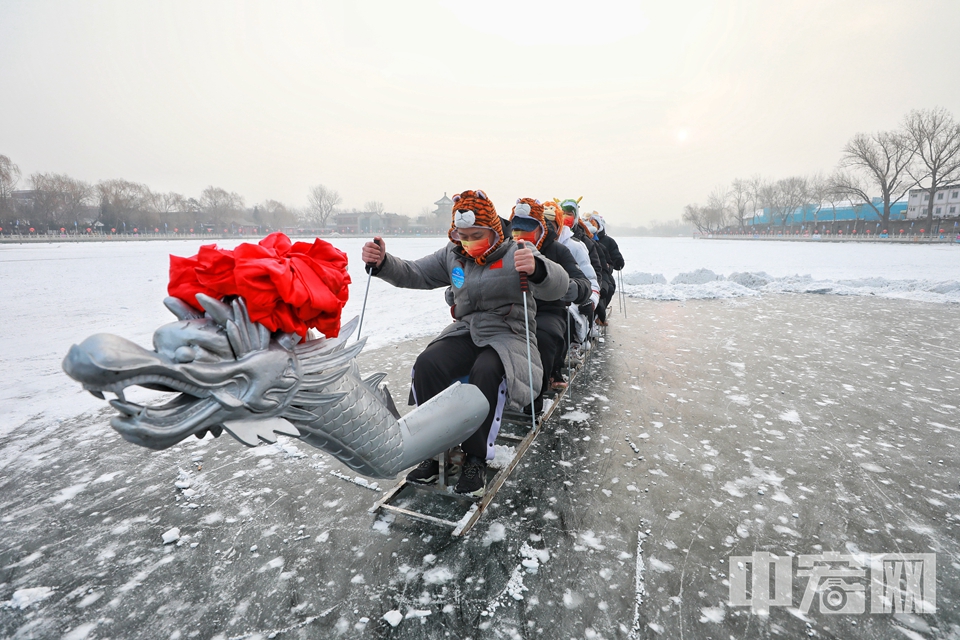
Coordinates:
column 426, row 472
column 473, row 478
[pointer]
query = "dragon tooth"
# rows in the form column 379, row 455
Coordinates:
column 127, row 408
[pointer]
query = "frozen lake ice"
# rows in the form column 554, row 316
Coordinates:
column 55, row 295
column 703, row 429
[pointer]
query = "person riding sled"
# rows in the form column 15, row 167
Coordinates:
column 528, row 224
column 487, row 340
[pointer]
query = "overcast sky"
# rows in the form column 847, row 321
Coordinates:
column 639, row 107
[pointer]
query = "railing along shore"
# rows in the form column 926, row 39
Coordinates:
column 866, row 238
column 36, row 238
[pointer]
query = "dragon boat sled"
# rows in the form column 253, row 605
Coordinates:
column 438, row 503
column 248, row 371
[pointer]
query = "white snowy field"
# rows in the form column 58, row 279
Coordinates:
column 55, row 295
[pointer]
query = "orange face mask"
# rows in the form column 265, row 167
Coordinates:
column 476, row 248
column 525, row 236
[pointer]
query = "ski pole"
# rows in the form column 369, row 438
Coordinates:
column 524, row 288
column 369, row 267
column 623, row 294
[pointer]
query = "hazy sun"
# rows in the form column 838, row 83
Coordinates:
column 682, row 135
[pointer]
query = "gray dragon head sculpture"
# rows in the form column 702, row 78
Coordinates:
column 232, row 373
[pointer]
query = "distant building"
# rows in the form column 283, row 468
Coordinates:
column 846, row 211
column 444, row 207
column 946, row 202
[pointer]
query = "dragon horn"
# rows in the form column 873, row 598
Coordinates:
column 217, row 310
column 579, row 199
column 181, row 309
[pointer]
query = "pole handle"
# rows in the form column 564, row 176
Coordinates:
column 373, row 265
column 524, row 286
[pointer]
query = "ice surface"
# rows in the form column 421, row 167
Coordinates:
column 42, row 317
column 788, row 423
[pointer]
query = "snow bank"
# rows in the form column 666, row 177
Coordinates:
column 704, row 284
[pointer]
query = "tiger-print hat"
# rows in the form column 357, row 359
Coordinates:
column 475, row 209
column 531, row 208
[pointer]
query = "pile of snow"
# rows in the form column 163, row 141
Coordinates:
column 700, row 276
column 704, row 284
column 750, row 280
column 644, row 278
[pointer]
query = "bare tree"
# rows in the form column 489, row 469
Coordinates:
column 936, row 141
column 219, row 205
column 739, row 199
column 323, row 202
column 122, row 202
column 167, row 203
column 696, row 215
column 59, row 200
column 9, row 177
column 883, row 159
column 761, row 194
column 374, row 206
column 819, row 193
column 717, row 208
column 276, row 215
column 788, row 196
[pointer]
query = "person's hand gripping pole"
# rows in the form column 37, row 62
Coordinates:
column 373, row 253
column 525, row 288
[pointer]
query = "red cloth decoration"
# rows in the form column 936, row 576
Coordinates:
column 288, row 286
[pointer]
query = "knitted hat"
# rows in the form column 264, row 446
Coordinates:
column 531, row 209
column 474, row 209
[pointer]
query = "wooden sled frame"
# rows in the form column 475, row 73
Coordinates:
column 477, row 506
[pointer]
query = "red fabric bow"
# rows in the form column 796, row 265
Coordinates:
column 288, row 286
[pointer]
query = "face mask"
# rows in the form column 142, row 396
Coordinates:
column 525, row 236
column 568, row 219
column 476, row 248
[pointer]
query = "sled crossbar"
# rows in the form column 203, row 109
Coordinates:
column 388, row 502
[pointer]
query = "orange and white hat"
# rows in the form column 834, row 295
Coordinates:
column 474, row 209
column 527, row 212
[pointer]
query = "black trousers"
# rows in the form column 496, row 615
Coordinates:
column 451, row 358
column 551, row 339
column 606, row 295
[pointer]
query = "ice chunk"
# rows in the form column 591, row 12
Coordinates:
column 712, row 614
column 393, row 617
column 496, row 533
column 438, row 575
column 171, row 535
column 23, row 598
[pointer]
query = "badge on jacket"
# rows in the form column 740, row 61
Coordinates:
column 456, row 277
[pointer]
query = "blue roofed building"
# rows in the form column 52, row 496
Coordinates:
column 837, row 212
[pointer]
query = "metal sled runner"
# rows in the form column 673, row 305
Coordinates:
column 439, row 504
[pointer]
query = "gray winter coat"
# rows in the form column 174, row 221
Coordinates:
column 488, row 303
